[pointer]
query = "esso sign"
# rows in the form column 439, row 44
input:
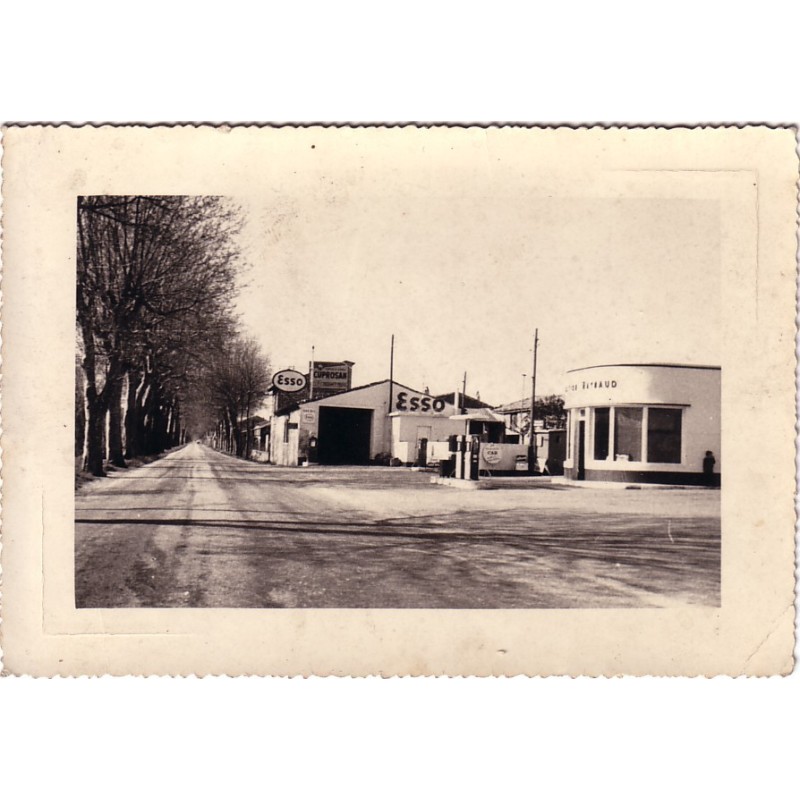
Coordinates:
column 415, row 402
column 289, row 380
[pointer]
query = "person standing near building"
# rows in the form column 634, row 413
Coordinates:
column 708, row 468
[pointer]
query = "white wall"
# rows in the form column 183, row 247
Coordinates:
column 505, row 459
column 405, row 426
column 281, row 452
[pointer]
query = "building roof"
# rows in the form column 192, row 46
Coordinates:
column 668, row 366
column 481, row 415
column 466, row 402
column 515, row 407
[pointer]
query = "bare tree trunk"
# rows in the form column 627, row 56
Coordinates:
column 162, row 432
column 174, row 425
column 247, row 447
column 80, row 412
column 150, row 418
column 169, row 425
column 133, row 440
column 95, row 409
column 142, row 406
column 237, row 434
column 115, row 454
column 95, row 434
column 80, row 427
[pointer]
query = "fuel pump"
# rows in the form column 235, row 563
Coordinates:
column 474, row 457
column 313, row 455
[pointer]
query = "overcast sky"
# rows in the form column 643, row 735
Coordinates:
column 463, row 276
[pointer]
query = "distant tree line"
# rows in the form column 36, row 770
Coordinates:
column 238, row 379
column 158, row 348
column 549, row 409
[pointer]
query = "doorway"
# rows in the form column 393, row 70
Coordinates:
column 344, row 435
column 581, row 450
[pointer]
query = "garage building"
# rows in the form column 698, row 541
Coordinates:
column 363, row 425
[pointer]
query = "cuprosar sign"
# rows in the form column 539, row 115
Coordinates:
column 289, row 381
column 331, row 377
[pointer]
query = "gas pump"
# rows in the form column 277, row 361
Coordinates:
column 461, row 449
column 422, row 453
column 467, row 457
column 474, row 457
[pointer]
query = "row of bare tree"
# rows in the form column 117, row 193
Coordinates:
column 159, row 352
column 237, row 383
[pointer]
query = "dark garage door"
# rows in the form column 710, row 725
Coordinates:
column 344, row 435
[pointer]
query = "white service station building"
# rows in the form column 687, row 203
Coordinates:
column 644, row 423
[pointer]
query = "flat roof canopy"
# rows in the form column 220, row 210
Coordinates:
column 481, row 415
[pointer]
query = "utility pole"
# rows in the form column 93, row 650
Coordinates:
column 391, row 375
column 532, row 449
column 311, row 376
column 389, row 408
column 463, row 394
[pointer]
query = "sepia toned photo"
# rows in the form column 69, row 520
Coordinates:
column 404, row 400
column 333, row 482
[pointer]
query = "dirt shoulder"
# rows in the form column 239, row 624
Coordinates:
column 84, row 479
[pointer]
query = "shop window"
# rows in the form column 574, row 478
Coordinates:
column 628, row 434
column 664, row 435
column 601, row 430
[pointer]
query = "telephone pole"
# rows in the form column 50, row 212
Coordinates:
column 311, row 376
column 532, row 448
column 391, row 375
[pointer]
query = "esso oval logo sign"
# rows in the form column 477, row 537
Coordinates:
column 289, row 380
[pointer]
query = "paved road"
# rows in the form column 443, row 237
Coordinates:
column 202, row 529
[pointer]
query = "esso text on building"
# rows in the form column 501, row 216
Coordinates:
column 413, row 402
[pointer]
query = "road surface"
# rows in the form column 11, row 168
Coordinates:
column 202, row 529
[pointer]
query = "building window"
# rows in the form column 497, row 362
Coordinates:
column 664, row 435
column 601, row 431
column 628, row 434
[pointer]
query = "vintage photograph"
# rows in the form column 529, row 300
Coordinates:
column 357, row 393
column 398, row 400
